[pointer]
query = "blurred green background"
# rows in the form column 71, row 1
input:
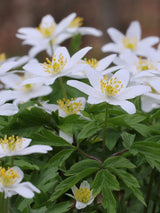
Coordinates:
column 100, row 14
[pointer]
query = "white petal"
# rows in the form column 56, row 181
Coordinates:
column 105, row 62
column 78, row 55
column 115, row 35
column 8, row 109
column 85, row 88
column 133, row 91
column 89, row 31
column 111, row 47
column 68, row 138
column 80, row 205
column 20, row 173
column 134, row 30
column 149, row 41
column 129, row 107
column 85, row 184
column 123, row 76
column 94, row 78
column 74, row 189
column 35, row 149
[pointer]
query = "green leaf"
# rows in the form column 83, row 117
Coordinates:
column 112, row 138
column 137, row 193
column 104, row 177
column 149, row 149
column 25, row 165
column 88, row 130
column 108, row 200
column 128, row 179
column 60, row 157
column 82, row 166
column 75, row 44
column 118, row 162
column 46, row 137
column 61, row 207
column 66, row 184
column 128, row 139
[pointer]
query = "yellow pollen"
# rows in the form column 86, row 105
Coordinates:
column 83, row 195
column 70, row 106
column 46, row 31
column 77, row 22
column 111, row 87
column 2, row 57
column 8, row 177
column 130, row 43
column 92, row 62
column 144, row 64
column 11, row 143
column 54, row 66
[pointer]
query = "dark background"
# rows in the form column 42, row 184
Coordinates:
column 100, row 14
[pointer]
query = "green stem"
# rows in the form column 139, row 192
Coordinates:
column 104, row 132
column 6, row 206
column 1, row 202
column 149, row 190
column 89, row 156
column 155, row 203
column 52, row 52
column 62, row 87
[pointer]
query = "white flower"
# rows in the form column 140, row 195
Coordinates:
column 112, row 90
column 65, row 107
column 83, row 195
column 10, row 183
column 8, row 109
column 48, row 32
column 60, row 65
column 14, row 146
column 22, row 89
column 75, row 28
column 131, row 41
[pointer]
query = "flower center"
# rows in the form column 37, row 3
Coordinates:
column 92, row 62
column 111, row 87
column 77, row 22
column 11, row 143
column 46, row 31
column 70, row 106
column 83, row 195
column 130, row 43
column 55, row 66
column 8, row 177
column 144, row 64
column 2, row 57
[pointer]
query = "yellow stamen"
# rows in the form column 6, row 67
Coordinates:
column 130, row 43
column 11, row 143
column 46, row 31
column 111, row 87
column 92, row 62
column 70, row 106
column 54, row 66
column 83, row 195
column 77, row 22
column 2, row 57
column 145, row 64
column 8, row 177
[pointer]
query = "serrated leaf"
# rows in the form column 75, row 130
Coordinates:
column 149, row 149
column 118, row 162
column 112, row 138
column 25, row 165
column 46, row 137
column 66, row 184
column 128, row 139
column 83, row 165
column 137, row 193
column 60, row 207
column 108, row 200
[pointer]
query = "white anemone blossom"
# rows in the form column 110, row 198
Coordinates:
column 83, row 195
column 10, row 183
column 65, row 107
column 47, row 35
column 60, row 65
column 131, row 41
column 112, row 90
column 14, row 146
column 23, row 91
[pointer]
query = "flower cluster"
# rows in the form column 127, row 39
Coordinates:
column 133, row 70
